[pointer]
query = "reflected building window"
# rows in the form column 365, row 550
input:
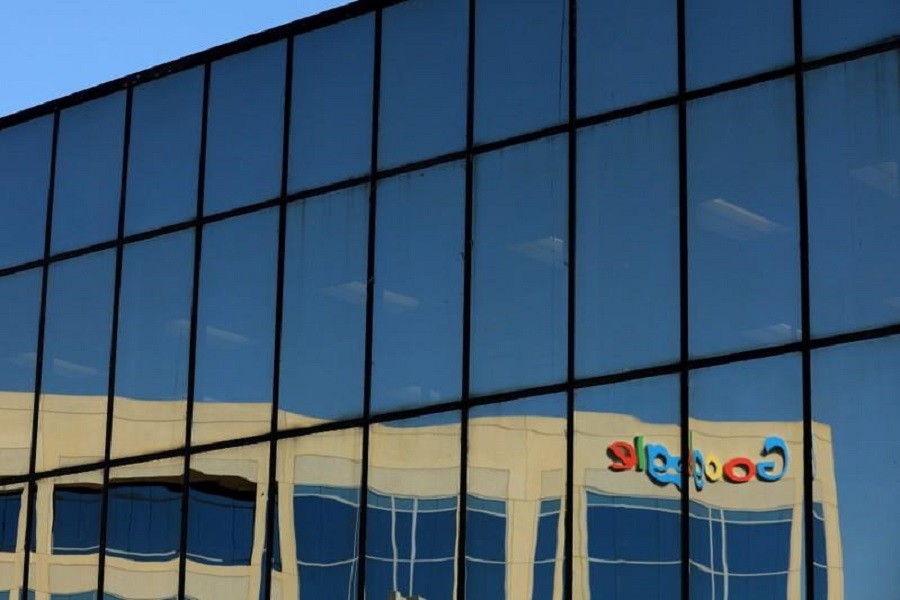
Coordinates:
column 486, row 554
column 10, row 507
column 76, row 519
column 546, row 550
column 144, row 521
column 220, row 530
column 326, row 560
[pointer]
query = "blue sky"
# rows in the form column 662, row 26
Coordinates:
column 55, row 47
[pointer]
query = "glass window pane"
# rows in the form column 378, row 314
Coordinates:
column 65, row 554
column 331, row 104
column 521, row 67
column 21, row 295
column 143, row 535
column 627, row 53
column 742, row 219
column 853, row 150
column 628, row 544
column 746, row 479
column 226, row 523
column 235, row 327
column 728, row 39
column 519, row 267
column 414, row 475
column 77, row 342
column 24, row 180
column 418, row 288
column 245, row 130
column 855, row 412
column 88, row 173
column 318, row 516
column 423, row 80
column 153, row 343
column 12, row 529
column 627, row 289
column 831, row 26
column 516, row 483
column 324, row 327
column 164, row 151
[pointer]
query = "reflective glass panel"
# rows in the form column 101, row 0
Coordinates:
column 77, row 341
column 65, row 554
column 143, row 530
column 317, row 518
column 227, row 523
column 245, row 131
column 419, row 253
column 423, row 80
column 235, row 327
column 414, row 475
column 24, row 181
column 831, row 26
column 153, row 344
column 627, row 541
column 519, row 267
column 13, row 502
column 744, row 267
column 88, row 173
column 728, row 39
column 627, row 251
column 855, row 411
column 521, row 66
column 331, row 104
column 627, row 53
column 164, row 151
column 853, row 153
column 517, row 487
column 324, row 326
column 21, row 294
column 746, row 480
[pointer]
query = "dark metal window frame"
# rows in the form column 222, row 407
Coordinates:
column 683, row 366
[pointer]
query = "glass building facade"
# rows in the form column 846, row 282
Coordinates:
column 463, row 299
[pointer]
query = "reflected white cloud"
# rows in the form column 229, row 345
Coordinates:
column 352, row 292
column 880, row 176
column 224, row 335
column 65, row 367
column 396, row 303
column 547, row 251
column 735, row 222
column 25, row 359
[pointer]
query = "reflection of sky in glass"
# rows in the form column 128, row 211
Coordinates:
column 835, row 25
column 24, row 178
column 744, row 269
column 853, row 148
column 552, row 405
column 324, row 321
column 418, row 289
column 236, row 314
column 654, row 400
column 154, row 318
column 79, row 324
column 855, row 395
column 21, row 295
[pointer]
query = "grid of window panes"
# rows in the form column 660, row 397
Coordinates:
column 356, row 308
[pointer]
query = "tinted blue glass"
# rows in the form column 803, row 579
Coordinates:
column 831, row 26
column 10, row 506
column 331, row 104
column 164, row 151
column 21, row 295
column 519, row 267
column 853, row 153
column 325, row 530
column 486, row 553
column 418, row 288
column 744, row 273
column 88, row 173
column 245, row 129
column 76, row 520
column 855, row 411
column 727, row 39
column 144, row 521
column 220, row 527
column 79, row 324
column 627, row 53
column 24, row 181
column 154, row 318
column 423, row 80
column 545, row 550
column 627, row 288
column 820, row 552
column 324, row 327
column 236, row 318
column 521, row 66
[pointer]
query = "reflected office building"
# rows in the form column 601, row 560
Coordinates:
column 463, row 299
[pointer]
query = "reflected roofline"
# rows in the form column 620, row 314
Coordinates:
column 325, row 18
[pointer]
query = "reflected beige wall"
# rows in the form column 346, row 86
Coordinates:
column 519, row 459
